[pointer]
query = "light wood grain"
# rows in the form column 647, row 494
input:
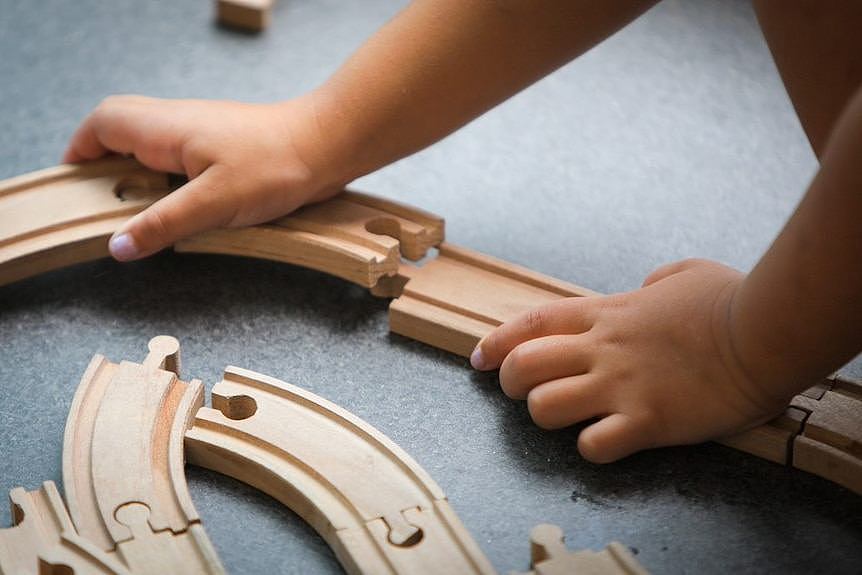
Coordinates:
column 43, row 540
column 123, row 463
column 375, row 506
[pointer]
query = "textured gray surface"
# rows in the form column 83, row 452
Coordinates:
column 673, row 139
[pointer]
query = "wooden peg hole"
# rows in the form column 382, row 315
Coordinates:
column 236, row 407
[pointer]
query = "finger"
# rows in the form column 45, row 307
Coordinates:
column 563, row 402
column 84, row 144
column 129, row 125
column 612, row 438
column 543, row 359
column 565, row 316
column 199, row 205
column 670, row 269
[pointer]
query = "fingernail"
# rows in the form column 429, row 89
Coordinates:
column 477, row 360
column 123, row 247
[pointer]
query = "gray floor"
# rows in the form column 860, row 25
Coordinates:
column 673, row 139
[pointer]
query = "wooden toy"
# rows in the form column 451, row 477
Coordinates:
column 64, row 215
column 43, row 540
column 375, row 506
column 251, row 15
column 123, row 463
column 549, row 556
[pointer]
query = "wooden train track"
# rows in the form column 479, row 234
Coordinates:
column 124, row 465
column 130, row 511
column 450, row 302
column 378, row 510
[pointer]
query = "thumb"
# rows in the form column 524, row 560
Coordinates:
column 199, row 205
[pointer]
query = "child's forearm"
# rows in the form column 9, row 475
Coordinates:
column 798, row 314
column 441, row 63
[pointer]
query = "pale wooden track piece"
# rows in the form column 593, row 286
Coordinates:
column 353, row 236
column 455, row 299
column 43, row 540
column 65, row 215
column 549, row 556
column 251, row 15
column 123, row 463
column 773, row 440
column 372, row 503
column 830, row 444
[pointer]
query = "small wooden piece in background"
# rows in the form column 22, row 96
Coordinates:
column 549, row 556
column 251, row 15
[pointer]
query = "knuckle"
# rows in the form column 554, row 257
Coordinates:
column 535, row 321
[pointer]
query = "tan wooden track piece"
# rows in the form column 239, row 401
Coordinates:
column 43, row 540
column 549, row 556
column 830, row 444
column 372, row 503
column 123, row 463
column 251, row 15
column 65, row 215
column 455, row 299
column 352, row 236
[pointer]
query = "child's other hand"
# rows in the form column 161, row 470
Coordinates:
column 656, row 366
column 246, row 163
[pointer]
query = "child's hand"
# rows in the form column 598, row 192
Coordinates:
column 656, row 365
column 246, row 163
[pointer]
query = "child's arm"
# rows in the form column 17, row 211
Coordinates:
column 701, row 351
column 433, row 68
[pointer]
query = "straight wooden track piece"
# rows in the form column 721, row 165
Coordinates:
column 65, row 215
column 549, row 556
column 251, row 15
column 773, row 440
column 354, row 236
column 830, row 444
column 43, row 540
column 378, row 510
column 123, row 463
column 455, row 299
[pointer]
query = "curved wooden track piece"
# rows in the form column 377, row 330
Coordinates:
column 378, row 510
column 65, row 215
column 43, row 540
column 549, row 556
column 123, row 463
column 354, row 236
